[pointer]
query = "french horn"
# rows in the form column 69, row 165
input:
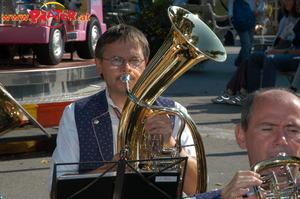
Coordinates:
column 190, row 41
column 276, row 188
column 13, row 116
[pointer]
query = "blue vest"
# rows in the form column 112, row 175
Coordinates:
column 209, row 195
column 94, row 128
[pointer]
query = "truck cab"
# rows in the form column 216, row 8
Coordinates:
column 51, row 27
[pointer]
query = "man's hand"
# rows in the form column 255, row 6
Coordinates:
column 238, row 185
column 161, row 124
column 107, row 166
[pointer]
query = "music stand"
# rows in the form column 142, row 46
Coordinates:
column 120, row 185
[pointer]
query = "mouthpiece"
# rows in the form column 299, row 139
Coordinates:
column 281, row 154
column 125, row 78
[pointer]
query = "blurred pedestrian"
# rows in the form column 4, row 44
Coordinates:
column 246, row 37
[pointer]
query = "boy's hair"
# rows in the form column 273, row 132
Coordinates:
column 126, row 33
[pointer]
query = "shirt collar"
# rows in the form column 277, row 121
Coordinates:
column 110, row 102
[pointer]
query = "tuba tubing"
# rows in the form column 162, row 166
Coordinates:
column 160, row 110
column 189, row 42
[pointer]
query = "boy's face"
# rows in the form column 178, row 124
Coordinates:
column 111, row 73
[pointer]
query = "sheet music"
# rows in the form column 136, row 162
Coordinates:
column 80, row 176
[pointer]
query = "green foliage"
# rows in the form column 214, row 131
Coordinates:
column 152, row 20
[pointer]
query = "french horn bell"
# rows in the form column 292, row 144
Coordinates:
column 276, row 188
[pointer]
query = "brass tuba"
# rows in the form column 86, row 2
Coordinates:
column 13, row 115
column 189, row 42
column 276, row 188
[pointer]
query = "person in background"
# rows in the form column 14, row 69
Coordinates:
column 237, row 88
column 246, row 37
column 222, row 10
column 296, row 81
column 281, row 59
column 26, row 7
column 88, row 128
column 269, row 125
column 180, row 2
column 280, row 14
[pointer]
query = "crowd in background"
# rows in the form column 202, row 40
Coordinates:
column 259, row 69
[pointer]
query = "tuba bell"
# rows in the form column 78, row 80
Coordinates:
column 13, row 115
column 189, row 42
column 277, row 188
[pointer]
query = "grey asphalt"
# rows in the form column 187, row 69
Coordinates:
column 26, row 177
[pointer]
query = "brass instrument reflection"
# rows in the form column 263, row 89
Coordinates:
column 13, row 115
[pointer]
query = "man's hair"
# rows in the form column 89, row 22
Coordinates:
column 247, row 109
column 126, row 33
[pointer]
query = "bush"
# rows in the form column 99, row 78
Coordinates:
column 152, row 20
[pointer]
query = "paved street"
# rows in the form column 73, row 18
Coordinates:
column 26, row 178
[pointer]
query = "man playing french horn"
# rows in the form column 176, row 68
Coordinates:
column 88, row 127
column 270, row 131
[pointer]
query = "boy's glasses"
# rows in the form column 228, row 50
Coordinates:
column 118, row 61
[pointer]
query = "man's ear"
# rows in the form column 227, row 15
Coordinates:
column 240, row 136
column 98, row 65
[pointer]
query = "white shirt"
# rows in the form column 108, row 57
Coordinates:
column 67, row 149
column 285, row 28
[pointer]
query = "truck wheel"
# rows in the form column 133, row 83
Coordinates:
column 86, row 49
column 52, row 52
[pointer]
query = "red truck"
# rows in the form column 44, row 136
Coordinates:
column 51, row 27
